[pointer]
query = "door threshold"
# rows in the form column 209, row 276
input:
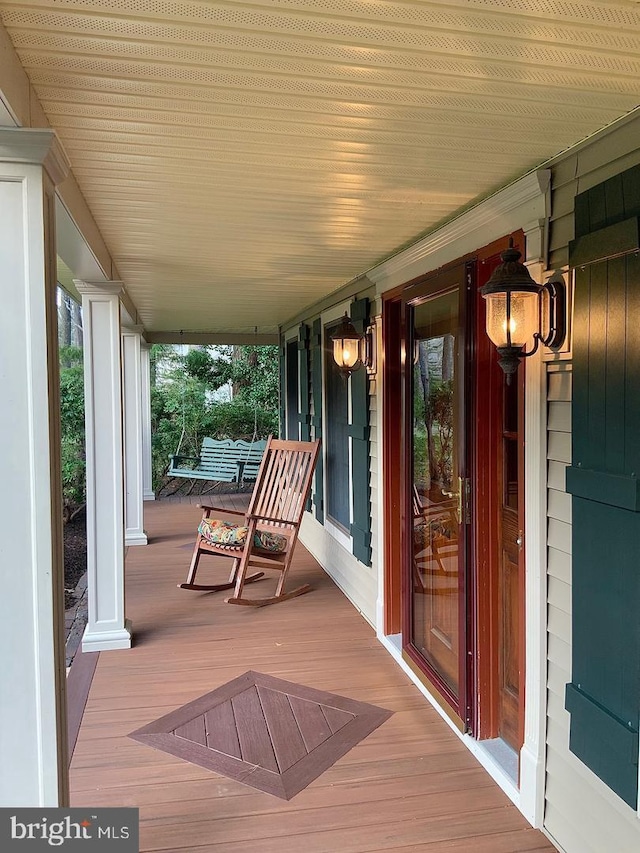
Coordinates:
column 490, row 759
column 504, row 756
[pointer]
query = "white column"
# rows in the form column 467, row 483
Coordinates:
column 145, row 377
column 132, row 422
column 107, row 627
column 33, row 744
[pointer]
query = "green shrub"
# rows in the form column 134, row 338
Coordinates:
column 72, row 427
column 183, row 408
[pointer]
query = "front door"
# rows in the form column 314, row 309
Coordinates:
column 458, row 500
column 435, row 624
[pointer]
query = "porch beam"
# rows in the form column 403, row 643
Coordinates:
column 107, row 627
column 33, row 742
column 219, row 338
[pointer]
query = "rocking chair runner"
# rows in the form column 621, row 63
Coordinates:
column 269, row 534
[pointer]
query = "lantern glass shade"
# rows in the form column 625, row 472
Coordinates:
column 346, row 352
column 512, row 317
column 347, row 346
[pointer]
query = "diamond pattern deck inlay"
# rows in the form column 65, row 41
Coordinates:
column 265, row 732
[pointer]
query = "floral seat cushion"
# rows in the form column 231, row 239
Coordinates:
column 219, row 532
column 434, row 528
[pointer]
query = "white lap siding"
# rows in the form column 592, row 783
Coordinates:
column 581, row 814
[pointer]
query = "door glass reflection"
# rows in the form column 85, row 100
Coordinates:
column 435, row 569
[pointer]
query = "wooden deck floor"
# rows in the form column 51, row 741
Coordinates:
column 410, row 785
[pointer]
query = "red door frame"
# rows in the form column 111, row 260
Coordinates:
column 459, row 276
column 480, row 591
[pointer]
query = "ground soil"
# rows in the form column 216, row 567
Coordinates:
column 179, row 487
column 75, row 556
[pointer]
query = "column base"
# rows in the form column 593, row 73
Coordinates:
column 105, row 641
column 149, row 496
column 135, row 539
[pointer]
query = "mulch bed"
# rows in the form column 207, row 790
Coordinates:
column 75, row 556
column 180, row 487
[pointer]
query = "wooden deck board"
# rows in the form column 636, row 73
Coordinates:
column 78, row 685
column 410, row 785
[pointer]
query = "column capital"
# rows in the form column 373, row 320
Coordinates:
column 35, row 147
column 133, row 329
column 95, row 288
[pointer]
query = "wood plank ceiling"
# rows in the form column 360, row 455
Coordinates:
column 243, row 159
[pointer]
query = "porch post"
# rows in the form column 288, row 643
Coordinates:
column 145, row 376
column 107, row 627
column 33, row 742
column 133, row 436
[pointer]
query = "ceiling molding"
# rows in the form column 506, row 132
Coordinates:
column 92, row 288
column 359, row 287
column 34, row 147
column 521, row 202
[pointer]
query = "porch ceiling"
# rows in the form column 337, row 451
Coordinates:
column 244, row 159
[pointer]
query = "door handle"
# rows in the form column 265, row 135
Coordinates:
column 458, row 496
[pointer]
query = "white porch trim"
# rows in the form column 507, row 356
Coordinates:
column 532, row 753
column 133, row 438
column 106, row 626
column 147, row 467
column 33, row 741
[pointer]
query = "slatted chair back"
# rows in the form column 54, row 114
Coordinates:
column 283, row 482
column 278, row 501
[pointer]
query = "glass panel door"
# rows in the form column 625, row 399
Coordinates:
column 437, row 587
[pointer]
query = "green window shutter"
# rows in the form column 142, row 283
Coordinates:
column 603, row 697
column 360, row 447
column 316, row 420
column 304, row 416
column 283, row 387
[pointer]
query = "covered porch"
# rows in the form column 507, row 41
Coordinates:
column 410, row 783
column 249, row 172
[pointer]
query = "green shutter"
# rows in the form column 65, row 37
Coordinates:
column 283, row 387
column 316, row 420
column 304, row 416
column 360, row 447
column 603, row 697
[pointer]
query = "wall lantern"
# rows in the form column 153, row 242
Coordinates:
column 519, row 310
column 351, row 349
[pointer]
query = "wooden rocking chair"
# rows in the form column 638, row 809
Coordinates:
column 439, row 519
column 269, row 533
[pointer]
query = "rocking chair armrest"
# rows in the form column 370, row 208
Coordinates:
column 222, row 509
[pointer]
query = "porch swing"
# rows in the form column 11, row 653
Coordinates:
column 219, row 460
